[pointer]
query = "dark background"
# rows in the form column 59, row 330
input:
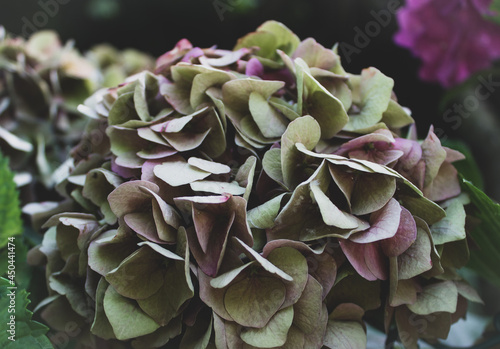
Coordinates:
column 154, row 26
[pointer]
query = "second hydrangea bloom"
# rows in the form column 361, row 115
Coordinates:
column 453, row 38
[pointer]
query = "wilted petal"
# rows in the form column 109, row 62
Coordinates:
column 368, row 259
column 404, row 237
column 384, row 224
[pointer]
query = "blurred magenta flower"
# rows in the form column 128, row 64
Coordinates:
column 452, row 38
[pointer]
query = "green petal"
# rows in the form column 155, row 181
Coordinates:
column 271, row 124
column 139, row 275
column 304, row 130
column 437, row 297
column 263, row 216
column 331, row 214
column 245, row 175
column 253, row 302
column 344, row 335
column 324, row 107
column 396, row 117
column 371, row 192
column 308, row 307
column 101, row 326
column 271, row 163
column 209, row 166
column 452, row 227
column 274, row 334
column 225, row 279
column 294, row 264
column 125, row 316
column 178, row 172
column 417, row 259
column 215, row 187
column 374, row 93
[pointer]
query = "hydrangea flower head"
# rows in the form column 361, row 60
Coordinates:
column 452, row 38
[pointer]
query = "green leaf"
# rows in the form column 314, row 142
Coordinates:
column 290, row 111
column 225, row 279
column 486, row 258
column 371, row 192
column 10, row 213
column 245, row 175
column 24, row 271
column 330, row 213
column 353, row 288
column 26, row 332
column 495, row 8
column 267, row 265
column 422, row 207
column 467, row 167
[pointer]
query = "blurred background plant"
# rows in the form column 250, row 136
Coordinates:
column 42, row 82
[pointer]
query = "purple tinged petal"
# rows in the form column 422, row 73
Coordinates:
column 445, row 185
column 123, row 172
column 434, row 155
column 228, row 58
column 156, row 153
column 129, row 197
column 216, row 218
column 171, row 57
column 405, row 235
column 142, row 224
column 210, row 262
column 315, row 55
column 193, row 53
column 254, row 68
column 367, row 259
column 412, row 153
column 453, row 155
column 384, row 224
column 380, row 157
column 381, row 135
